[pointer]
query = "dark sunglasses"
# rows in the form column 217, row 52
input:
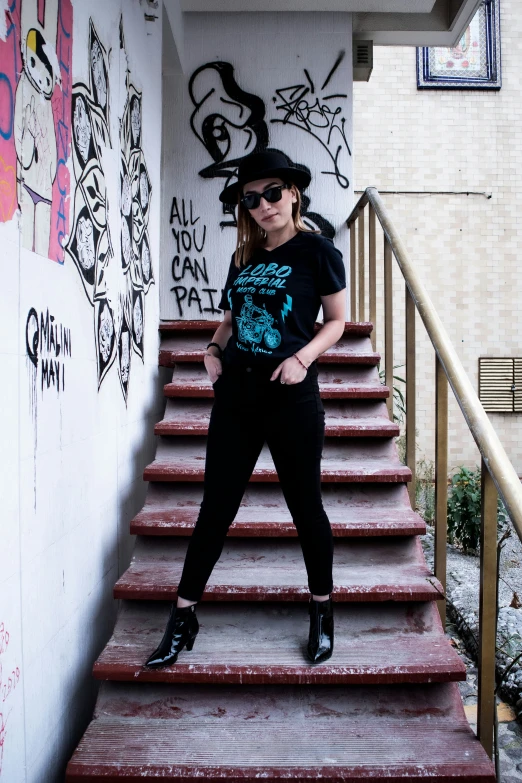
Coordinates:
column 271, row 194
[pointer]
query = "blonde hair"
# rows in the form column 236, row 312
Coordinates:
column 250, row 235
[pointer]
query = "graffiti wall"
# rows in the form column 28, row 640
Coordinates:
column 80, row 141
column 294, row 95
column 114, row 284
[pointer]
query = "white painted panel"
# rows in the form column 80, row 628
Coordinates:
column 263, row 55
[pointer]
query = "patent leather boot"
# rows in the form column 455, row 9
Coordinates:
column 321, row 638
column 181, row 631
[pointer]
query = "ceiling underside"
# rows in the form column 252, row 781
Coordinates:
column 377, row 6
column 386, row 22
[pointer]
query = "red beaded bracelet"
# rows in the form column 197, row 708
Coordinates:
column 300, row 362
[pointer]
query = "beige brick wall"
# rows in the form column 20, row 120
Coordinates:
column 465, row 247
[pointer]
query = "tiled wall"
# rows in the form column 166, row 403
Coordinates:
column 465, row 247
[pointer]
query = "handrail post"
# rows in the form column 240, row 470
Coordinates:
column 441, row 480
column 360, row 249
column 388, row 324
column 372, row 275
column 353, row 275
column 487, row 611
column 410, row 393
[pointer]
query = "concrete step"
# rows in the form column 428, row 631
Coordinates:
column 183, row 347
column 356, row 459
column 266, row 644
column 335, row 382
column 373, row 569
column 171, row 509
column 344, row 418
column 383, row 733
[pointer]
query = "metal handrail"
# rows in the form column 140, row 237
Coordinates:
column 498, row 476
column 502, row 471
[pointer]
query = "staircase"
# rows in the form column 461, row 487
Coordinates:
column 245, row 705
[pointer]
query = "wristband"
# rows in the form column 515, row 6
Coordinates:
column 300, row 362
column 219, row 349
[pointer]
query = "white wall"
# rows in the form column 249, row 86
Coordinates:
column 268, row 52
column 71, row 462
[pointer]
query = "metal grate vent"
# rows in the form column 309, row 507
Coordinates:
column 362, row 60
column 500, row 384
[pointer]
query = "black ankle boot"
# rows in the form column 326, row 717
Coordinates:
column 321, row 638
column 182, row 629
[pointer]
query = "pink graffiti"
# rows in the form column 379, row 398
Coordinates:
column 11, row 684
column 2, row 740
column 4, row 639
column 10, row 69
column 6, row 688
column 61, row 103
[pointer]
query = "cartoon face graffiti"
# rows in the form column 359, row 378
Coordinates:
column 227, row 120
column 106, row 332
column 125, row 357
column 85, row 243
column 35, row 140
column 38, row 68
column 135, row 121
column 82, row 128
column 98, row 73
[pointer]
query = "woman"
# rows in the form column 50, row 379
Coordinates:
column 262, row 364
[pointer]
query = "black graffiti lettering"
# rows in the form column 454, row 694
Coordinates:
column 45, row 372
column 52, row 342
column 184, row 239
column 180, row 292
column 199, row 249
column 212, row 308
column 175, row 263
column 52, row 370
column 304, row 109
column 44, row 329
column 201, row 270
column 181, row 217
column 187, row 265
column 32, row 336
column 196, row 268
column 47, row 339
column 194, row 297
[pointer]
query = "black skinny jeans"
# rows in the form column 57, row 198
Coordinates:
column 248, row 410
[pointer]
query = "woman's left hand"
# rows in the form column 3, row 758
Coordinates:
column 290, row 371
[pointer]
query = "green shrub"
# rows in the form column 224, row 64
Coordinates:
column 464, row 509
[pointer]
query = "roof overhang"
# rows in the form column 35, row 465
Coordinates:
column 386, row 22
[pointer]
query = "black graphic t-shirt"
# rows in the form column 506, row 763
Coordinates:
column 276, row 297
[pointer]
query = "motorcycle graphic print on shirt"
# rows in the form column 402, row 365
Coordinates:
column 257, row 327
column 255, row 324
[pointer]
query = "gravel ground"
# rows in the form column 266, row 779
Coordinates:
column 463, row 595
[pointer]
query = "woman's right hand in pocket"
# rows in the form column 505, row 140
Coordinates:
column 213, row 367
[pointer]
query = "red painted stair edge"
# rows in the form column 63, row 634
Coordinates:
column 362, row 328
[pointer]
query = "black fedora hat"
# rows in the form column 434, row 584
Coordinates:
column 260, row 165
